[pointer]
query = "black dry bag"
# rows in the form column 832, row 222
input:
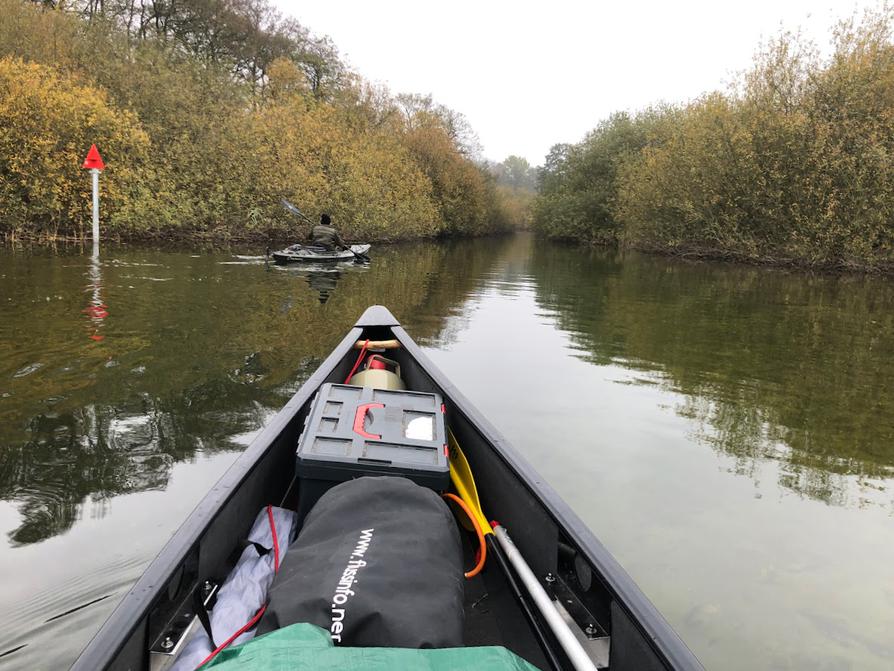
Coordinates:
column 377, row 563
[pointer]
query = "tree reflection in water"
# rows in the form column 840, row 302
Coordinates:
column 790, row 367
column 201, row 349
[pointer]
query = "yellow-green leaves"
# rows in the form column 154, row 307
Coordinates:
column 194, row 151
column 47, row 124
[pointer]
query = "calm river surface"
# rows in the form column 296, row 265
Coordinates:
column 727, row 432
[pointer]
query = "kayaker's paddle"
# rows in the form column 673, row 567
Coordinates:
column 298, row 213
column 294, row 210
column 504, row 549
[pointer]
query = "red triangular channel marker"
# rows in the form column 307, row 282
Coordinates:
column 93, row 160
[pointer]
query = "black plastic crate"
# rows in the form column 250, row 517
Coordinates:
column 354, row 431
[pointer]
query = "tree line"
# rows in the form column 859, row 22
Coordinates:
column 207, row 113
column 517, row 185
column 792, row 164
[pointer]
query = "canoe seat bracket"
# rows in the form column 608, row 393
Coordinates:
column 592, row 636
column 169, row 643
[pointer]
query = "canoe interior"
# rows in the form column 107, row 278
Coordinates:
column 626, row 632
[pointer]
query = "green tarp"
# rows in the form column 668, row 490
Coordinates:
column 305, row 646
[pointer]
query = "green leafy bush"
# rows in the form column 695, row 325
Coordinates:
column 794, row 164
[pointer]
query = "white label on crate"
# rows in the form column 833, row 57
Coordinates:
column 420, row 428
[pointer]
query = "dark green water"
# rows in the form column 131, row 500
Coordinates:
column 728, row 432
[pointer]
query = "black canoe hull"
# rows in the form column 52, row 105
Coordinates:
column 550, row 536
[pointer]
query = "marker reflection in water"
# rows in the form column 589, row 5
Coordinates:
column 96, row 309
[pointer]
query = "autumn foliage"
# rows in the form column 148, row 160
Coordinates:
column 45, row 121
column 792, row 165
column 206, row 119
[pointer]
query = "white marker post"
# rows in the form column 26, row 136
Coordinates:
column 94, row 164
column 95, row 173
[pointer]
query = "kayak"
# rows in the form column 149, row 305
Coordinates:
column 308, row 253
column 596, row 601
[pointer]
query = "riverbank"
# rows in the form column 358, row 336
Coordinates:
column 218, row 239
column 699, row 254
column 791, row 166
column 203, row 140
column 704, row 255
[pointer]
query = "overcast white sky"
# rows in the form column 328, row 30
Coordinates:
column 530, row 74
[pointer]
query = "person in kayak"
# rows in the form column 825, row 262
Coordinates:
column 325, row 235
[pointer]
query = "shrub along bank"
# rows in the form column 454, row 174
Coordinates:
column 207, row 114
column 794, row 164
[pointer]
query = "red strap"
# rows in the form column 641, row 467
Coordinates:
column 275, row 539
column 248, row 625
column 253, row 621
column 357, row 363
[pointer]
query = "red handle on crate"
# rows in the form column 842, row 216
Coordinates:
column 360, row 415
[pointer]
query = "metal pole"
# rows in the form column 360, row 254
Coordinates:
column 95, row 174
column 578, row 657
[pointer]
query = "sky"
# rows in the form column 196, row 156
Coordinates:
column 528, row 75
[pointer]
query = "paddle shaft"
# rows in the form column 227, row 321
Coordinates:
column 464, row 481
column 294, row 210
column 579, row 658
column 357, row 255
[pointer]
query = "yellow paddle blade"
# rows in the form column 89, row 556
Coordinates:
column 464, row 495
column 464, row 482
